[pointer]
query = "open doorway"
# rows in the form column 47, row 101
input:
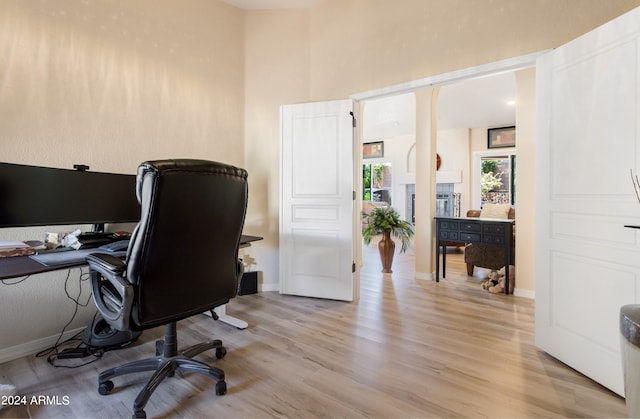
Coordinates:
column 388, row 134
column 423, row 90
column 465, row 111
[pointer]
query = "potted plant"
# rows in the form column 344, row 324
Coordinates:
column 386, row 221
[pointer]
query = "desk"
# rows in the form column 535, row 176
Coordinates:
column 486, row 231
column 246, row 240
column 17, row 266
column 221, row 311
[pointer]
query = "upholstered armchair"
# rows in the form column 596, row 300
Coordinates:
column 486, row 256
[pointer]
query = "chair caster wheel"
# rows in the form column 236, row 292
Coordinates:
column 220, row 353
column 221, row 388
column 139, row 414
column 105, row 388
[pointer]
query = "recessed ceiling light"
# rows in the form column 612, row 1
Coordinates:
column 511, row 102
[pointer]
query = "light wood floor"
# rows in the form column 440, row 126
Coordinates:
column 408, row 348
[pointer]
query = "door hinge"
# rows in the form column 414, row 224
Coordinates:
column 354, row 195
column 353, row 118
column 353, row 268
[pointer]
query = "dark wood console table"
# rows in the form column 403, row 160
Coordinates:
column 488, row 231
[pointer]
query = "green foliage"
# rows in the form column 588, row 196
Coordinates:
column 489, row 166
column 381, row 219
column 378, row 172
column 489, row 182
column 366, row 175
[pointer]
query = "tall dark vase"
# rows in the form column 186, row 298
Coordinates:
column 387, row 247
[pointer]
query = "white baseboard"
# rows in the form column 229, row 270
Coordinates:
column 424, row 276
column 28, row 348
column 269, row 287
column 524, row 293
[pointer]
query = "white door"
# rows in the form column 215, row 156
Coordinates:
column 587, row 262
column 317, row 201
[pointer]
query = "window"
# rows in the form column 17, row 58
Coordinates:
column 376, row 182
column 498, row 179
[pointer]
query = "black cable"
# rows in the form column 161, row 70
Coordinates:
column 53, row 352
column 92, row 327
column 84, row 276
column 24, row 278
column 97, row 355
column 75, row 308
column 87, row 350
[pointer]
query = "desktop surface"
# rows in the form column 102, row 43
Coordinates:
column 72, row 257
column 18, row 266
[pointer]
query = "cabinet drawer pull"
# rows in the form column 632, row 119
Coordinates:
column 470, row 237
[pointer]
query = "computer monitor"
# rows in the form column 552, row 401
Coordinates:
column 39, row 196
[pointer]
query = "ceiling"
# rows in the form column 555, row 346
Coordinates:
column 476, row 103
column 272, row 4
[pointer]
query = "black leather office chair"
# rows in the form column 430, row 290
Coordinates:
column 182, row 260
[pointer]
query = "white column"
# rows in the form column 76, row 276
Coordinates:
column 426, row 135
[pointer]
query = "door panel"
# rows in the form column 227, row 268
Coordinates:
column 317, row 201
column 587, row 262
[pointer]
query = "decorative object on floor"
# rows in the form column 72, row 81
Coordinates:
column 386, row 221
column 491, row 281
column 495, row 282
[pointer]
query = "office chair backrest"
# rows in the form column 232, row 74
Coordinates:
column 183, row 254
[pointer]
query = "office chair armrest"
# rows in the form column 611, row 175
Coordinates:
column 112, row 294
column 109, row 262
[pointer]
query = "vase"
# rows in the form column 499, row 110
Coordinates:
column 387, row 247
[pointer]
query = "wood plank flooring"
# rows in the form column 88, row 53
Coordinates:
column 408, row 348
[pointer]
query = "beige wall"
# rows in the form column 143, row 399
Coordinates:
column 453, row 148
column 359, row 45
column 525, row 177
column 110, row 84
column 277, row 73
column 97, row 83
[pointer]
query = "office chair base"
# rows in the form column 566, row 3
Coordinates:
column 166, row 362
column 100, row 335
